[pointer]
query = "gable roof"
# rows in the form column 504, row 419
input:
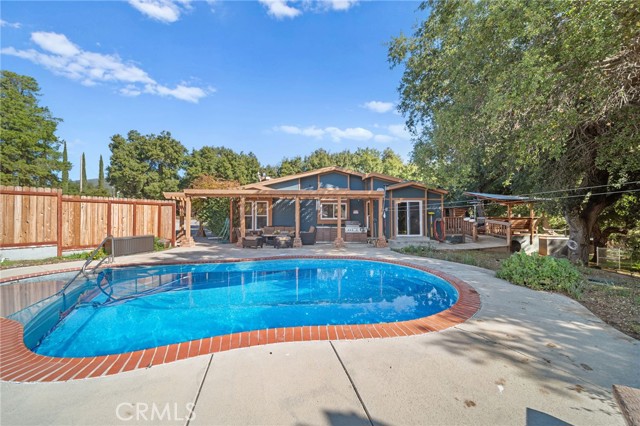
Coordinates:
column 323, row 170
column 382, row 176
column 415, row 184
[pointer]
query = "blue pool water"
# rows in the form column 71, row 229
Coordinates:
column 154, row 306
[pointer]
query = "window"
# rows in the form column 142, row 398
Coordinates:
column 329, row 210
column 256, row 214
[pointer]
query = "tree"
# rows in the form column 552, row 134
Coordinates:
column 212, row 211
column 221, row 163
column 66, row 166
column 526, row 96
column 28, row 143
column 84, row 183
column 101, row 174
column 290, row 166
column 318, row 159
column 145, row 166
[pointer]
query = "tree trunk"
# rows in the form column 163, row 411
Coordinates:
column 581, row 220
column 579, row 233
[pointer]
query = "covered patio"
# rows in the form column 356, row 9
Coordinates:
column 240, row 196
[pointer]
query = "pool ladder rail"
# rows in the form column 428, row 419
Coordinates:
column 90, row 273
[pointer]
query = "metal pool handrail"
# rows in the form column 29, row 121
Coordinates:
column 83, row 270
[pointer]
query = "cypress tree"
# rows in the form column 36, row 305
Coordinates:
column 83, row 175
column 101, row 174
column 65, row 169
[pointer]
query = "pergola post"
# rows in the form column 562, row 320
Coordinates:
column 297, row 241
column 339, row 242
column 382, row 241
column 230, row 219
column 188, row 241
column 242, row 222
column 531, row 224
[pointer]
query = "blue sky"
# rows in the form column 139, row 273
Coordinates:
column 278, row 78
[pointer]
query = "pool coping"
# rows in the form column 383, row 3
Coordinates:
column 19, row 364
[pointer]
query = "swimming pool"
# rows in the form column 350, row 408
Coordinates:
column 152, row 306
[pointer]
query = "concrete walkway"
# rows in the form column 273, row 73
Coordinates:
column 527, row 357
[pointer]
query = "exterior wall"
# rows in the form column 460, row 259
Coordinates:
column 357, row 205
column 380, row 184
column 356, row 183
column 284, row 212
column 408, row 192
column 334, row 180
column 434, row 205
column 308, row 214
column 309, row 182
column 289, row 184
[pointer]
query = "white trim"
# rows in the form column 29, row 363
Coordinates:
column 397, row 233
column 253, row 214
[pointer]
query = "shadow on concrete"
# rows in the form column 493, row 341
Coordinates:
column 337, row 418
column 538, row 418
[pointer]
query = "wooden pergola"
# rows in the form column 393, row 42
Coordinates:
column 510, row 201
column 244, row 195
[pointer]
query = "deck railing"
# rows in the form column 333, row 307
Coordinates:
column 498, row 229
column 460, row 226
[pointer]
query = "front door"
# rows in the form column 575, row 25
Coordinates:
column 409, row 218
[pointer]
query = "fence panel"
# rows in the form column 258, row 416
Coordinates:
column 36, row 217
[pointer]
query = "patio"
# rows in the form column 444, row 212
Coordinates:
column 525, row 358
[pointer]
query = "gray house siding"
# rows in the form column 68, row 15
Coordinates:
column 334, row 180
column 284, row 212
column 309, row 182
column 407, row 192
column 289, row 184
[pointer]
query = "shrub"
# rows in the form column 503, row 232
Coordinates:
column 542, row 273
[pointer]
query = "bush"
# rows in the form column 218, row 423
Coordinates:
column 542, row 273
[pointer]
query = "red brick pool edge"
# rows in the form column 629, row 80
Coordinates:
column 19, row 364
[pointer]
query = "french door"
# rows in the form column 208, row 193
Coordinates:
column 409, row 218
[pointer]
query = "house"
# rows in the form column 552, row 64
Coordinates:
column 343, row 205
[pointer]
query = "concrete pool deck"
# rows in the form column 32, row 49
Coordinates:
column 526, row 357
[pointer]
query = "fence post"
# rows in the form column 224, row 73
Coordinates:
column 135, row 218
column 173, row 224
column 59, row 224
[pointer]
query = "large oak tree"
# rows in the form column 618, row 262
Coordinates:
column 527, row 96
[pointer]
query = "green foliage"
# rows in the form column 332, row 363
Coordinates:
column 221, row 163
column 66, row 166
column 101, row 174
column 159, row 244
column 83, row 175
column 28, row 144
column 363, row 160
column 520, row 96
column 145, row 166
column 542, row 273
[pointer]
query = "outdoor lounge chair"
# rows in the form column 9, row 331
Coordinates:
column 250, row 241
column 308, row 238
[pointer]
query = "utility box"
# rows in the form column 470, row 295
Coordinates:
column 124, row 246
column 550, row 245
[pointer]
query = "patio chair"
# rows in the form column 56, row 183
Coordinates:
column 250, row 241
column 308, row 238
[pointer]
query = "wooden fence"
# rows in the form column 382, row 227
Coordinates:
column 43, row 217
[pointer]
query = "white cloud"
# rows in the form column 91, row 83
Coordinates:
column 63, row 57
column 15, row 25
column 341, row 4
column 280, row 9
column 378, row 106
column 399, row 131
column 335, row 134
column 383, row 138
column 356, row 134
column 312, row 131
column 167, row 11
column 55, row 43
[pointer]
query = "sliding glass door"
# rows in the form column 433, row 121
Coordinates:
column 409, row 218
